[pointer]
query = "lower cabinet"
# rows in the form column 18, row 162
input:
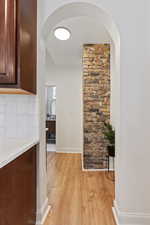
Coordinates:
column 51, row 133
column 18, row 190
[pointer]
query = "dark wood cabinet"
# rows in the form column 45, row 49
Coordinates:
column 51, row 133
column 8, row 42
column 18, row 46
column 18, row 190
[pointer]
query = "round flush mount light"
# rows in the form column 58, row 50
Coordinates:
column 62, row 33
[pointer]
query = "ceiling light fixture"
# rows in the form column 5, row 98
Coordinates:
column 62, row 33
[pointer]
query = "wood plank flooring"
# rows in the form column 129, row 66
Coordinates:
column 77, row 197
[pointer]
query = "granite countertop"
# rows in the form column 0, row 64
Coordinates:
column 11, row 148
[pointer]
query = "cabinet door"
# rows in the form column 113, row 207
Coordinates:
column 7, row 41
column 27, row 44
column 18, row 190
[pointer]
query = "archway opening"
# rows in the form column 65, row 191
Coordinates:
column 56, row 64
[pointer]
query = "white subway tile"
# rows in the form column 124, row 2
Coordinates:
column 18, row 115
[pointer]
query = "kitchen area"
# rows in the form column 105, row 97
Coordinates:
column 23, row 190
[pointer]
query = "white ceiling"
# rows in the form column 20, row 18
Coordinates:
column 84, row 30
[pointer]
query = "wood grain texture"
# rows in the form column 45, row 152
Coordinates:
column 77, row 197
column 18, row 44
column 7, row 41
column 18, row 190
column 27, row 44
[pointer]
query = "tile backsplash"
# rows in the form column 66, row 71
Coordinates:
column 18, row 116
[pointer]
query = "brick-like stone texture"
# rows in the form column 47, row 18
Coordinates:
column 96, row 101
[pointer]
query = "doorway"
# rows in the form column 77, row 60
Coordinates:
column 64, row 58
column 51, row 118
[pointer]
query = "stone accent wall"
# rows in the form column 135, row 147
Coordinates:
column 96, row 101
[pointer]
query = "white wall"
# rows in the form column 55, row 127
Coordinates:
column 68, row 82
column 133, row 115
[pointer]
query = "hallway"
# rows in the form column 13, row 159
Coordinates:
column 77, row 197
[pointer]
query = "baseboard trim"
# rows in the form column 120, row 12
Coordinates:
column 50, row 151
column 130, row 218
column 68, row 150
column 43, row 213
column 97, row 170
column 45, row 216
column 115, row 215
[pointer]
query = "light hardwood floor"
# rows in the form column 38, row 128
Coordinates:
column 77, row 197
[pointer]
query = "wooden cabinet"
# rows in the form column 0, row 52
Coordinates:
column 7, row 42
column 18, row 40
column 51, row 133
column 18, row 190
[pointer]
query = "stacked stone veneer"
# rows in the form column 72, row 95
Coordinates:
column 96, row 103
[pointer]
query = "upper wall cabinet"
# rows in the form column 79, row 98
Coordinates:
column 18, row 40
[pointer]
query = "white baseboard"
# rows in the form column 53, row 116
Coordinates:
column 68, row 150
column 51, row 148
column 96, row 170
column 115, row 215
column 51, row 151
column 130, row 218
column 43, row 213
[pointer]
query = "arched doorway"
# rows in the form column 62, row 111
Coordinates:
column 84, row 9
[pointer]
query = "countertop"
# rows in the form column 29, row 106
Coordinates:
column 50, row 120
column 11, row 148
